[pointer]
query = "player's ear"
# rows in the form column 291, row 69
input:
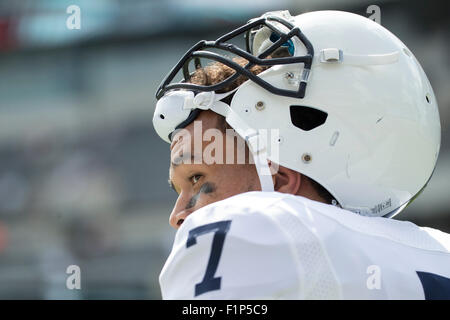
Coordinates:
column 287, row 180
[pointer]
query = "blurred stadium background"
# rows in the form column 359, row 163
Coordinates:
column 83, row 176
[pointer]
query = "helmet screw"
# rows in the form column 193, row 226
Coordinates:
column 289, row 75
column 306, row 157
column 259, row 106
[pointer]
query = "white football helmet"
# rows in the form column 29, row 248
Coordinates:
column 354, row 108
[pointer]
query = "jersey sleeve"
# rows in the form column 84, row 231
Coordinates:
column 219, row 253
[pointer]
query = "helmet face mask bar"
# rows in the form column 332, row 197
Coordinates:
column 270, row 21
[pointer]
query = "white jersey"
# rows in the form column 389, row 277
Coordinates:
column 270, row 245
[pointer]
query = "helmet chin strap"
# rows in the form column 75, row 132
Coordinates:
column 262, row 168
column 257, row 145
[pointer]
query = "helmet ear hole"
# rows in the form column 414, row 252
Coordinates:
column 307, row 118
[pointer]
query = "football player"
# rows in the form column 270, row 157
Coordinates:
column 341, row 132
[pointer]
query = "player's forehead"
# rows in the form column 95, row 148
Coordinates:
column 206, row 120
column 188, row 143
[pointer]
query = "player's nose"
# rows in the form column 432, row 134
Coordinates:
column 177, row 218
column 179, row 214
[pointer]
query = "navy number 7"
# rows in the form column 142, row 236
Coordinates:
column 220, row 228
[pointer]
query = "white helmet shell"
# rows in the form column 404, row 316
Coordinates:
column 379, row 144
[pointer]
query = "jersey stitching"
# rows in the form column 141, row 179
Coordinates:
column 294, row 254
column 324, row 251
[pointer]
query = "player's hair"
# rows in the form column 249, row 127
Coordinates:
column 217, row 72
